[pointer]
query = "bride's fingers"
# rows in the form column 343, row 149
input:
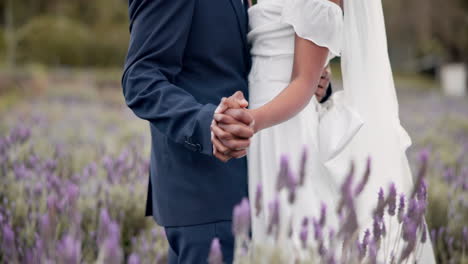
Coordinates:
column 241, row 115
column 222, row 106
column 223, row 153
column 239, row 96
column 225, row 119
column 221, row 134
column 221, row 157
column 241, row 131
column 232, row 102
column 238, row 154
column 338, row 2
column 228, row 140
column 227, row 103
column 219, row 147
column 236, row 144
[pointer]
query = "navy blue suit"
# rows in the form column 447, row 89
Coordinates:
column 184, row 56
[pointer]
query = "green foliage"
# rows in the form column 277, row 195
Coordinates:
column 53, row 41
column 108, row 46
column 56, row 41
column 2, row 44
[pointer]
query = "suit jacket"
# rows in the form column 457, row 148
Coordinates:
column 184, row 56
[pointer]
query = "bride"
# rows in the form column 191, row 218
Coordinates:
column 292, row 41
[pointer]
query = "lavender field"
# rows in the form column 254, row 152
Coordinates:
column 74, row 161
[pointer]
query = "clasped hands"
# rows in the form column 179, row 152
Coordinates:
column 233, row 124
column 231, row 128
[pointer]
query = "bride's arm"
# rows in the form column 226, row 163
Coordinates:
column 309, row 60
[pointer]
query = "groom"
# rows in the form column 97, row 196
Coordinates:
column 184, row 56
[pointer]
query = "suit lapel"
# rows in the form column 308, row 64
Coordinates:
column 241, row 18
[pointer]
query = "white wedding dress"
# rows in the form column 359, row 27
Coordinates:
column 273, row 25
column 363, row 120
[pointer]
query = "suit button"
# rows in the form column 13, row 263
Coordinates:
column 199, row 147
column 191, row 146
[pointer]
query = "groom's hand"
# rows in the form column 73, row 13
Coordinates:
column 231, row 128
column 323, row 83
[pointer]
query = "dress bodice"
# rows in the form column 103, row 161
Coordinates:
column 273, row 24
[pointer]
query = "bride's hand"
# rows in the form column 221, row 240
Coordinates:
column 338, row 2
column 237, row 100
column 323, row 84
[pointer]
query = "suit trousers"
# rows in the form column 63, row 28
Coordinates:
column 191, row 244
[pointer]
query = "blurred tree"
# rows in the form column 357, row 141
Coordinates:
column 417, row 29
column 10, row 39
column 103, row 44
column 450, row 27
column 427, row 30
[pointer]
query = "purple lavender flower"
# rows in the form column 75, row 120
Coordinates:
column 50, row 165
column 424, row 233
column 303, row 235
column 20, row 134
column 331, row 259
column 346, row 191
column 401, row 208
column 104, row 223
column 72, row 191
column 450, row 243
column 282, row 180
column 365, row 178
column 360, row 250
column 372, row 252
column 292, row 183
column 290, row 228
column 322, row 250
column 346, row 209
column 465, row 235
column 45, row 225
column 258, row 199
column 52, row 203
column 21, row 172
column 409, row 229
column 241, row 218
column 133, row 259
column 331, row 235
column 424, row 157
column 323, row 214
column 380, row 209
column 215, row 256
column 441, row 232
column 365, row 242
column 434, row 235
column 413, row 209
column 8, row 243
column 318, row 230
column 422, row 191
column 449, row 175
column 407, row 250
column 392, row 200
column 302, row 167
column 112, row 250
column 273, row 225
column 377, row 229
column 69, row 250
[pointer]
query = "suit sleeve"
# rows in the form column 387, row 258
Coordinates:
column 159, row 31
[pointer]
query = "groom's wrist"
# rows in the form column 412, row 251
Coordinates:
column 200, row 140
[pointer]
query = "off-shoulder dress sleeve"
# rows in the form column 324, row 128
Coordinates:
column 320, row 21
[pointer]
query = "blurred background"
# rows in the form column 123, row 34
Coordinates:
column 74, row 159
